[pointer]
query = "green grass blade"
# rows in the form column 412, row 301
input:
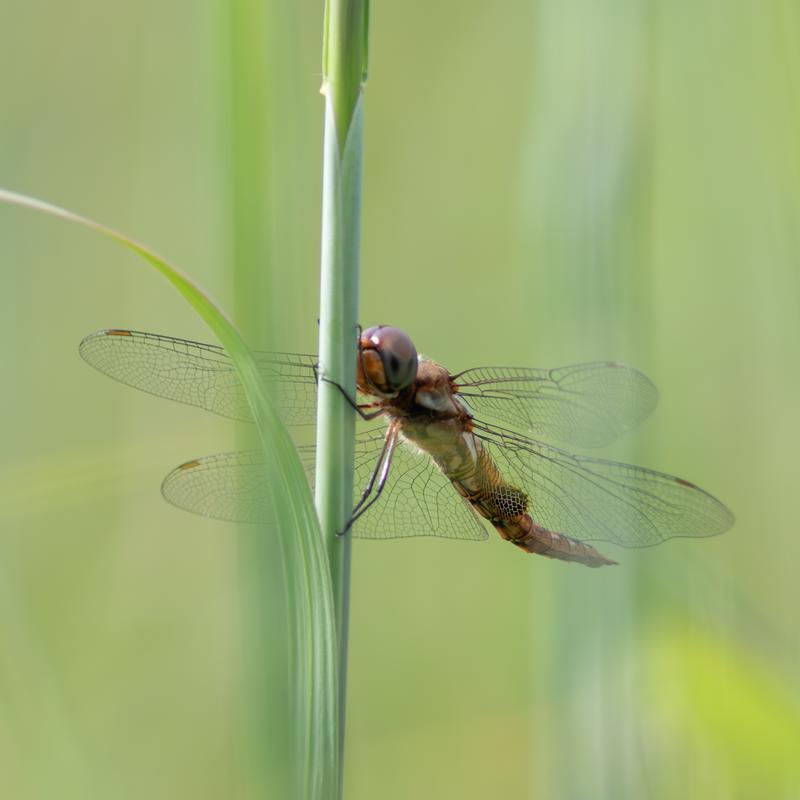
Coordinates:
column 310, row 598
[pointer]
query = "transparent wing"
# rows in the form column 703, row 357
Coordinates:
column 586, row 405
column 597, row 500
column 202, row 375
column 417, row 499
column 226, row 486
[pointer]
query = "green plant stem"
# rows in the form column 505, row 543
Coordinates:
column 344, row 69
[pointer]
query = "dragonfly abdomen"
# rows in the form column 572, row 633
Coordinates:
column 533, row 538
column 506, row 508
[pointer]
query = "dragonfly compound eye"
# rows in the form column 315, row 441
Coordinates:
column 397, row 354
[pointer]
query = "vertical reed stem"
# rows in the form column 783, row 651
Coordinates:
column 344, row 71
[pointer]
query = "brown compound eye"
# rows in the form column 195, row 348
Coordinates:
column 398, row 358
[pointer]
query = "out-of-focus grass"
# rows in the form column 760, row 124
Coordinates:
column 727, row 702
column 259, row 66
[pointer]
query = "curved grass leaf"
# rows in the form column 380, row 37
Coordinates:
column 310, row 599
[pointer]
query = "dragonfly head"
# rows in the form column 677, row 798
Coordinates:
column 387, row 361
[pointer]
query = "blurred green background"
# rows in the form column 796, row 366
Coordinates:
column 545, row 183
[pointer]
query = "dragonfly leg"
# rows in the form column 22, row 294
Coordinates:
column 359, row 408
column 375, row 472
column 379, row 475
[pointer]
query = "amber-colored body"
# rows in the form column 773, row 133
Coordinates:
column 429, row 415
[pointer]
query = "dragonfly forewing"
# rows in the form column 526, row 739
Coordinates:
column 586, row 405
column 202, row 375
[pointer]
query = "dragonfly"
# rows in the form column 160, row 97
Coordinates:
column 436, row 453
